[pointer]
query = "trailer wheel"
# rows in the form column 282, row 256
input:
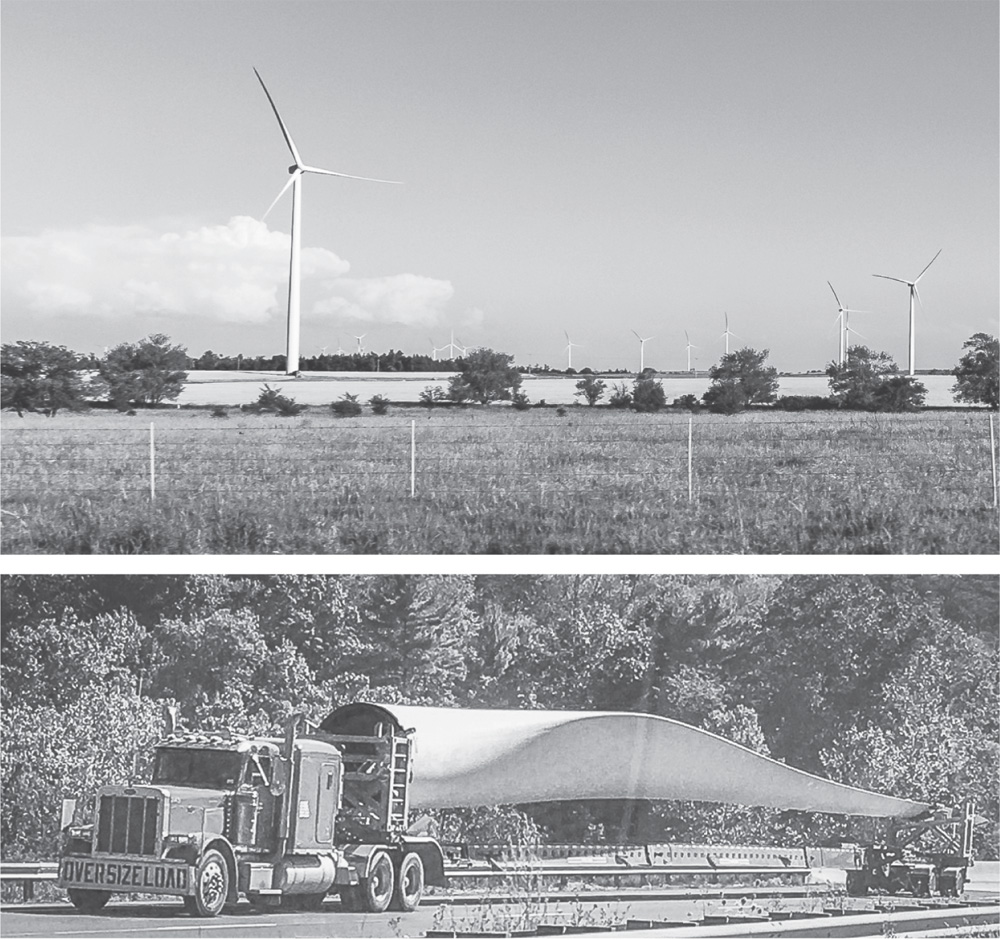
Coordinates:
column 87, row 900
column 409, row 883
column 377, row 888
column 211, row 886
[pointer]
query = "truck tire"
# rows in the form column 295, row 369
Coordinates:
column 211, row 886
column 88, row 901
column 409, row 883
column 377, row 888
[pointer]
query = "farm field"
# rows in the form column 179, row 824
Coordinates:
column 498, row 481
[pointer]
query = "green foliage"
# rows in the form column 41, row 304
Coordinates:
column 520, row 401
column 271, row 401
column 741, row 378
column 41, row 377
column 804, row 403
column 144, row 373
column 380, row 404
column 978, row 372
column 871, row 381
column 348, row 406
column 688, row 403
column 591, row 389
column 648, row 395
column 486, row 376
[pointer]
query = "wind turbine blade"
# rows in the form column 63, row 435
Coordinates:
column 916, row 294
column 929, row 263
column 839, row 304
column 637, row 336
column 347, row 176
column 888, row 278
column 281, row 123
column 284, row 189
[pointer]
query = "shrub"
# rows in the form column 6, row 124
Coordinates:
column 561, row 411
column 487, row 376
column 648, row 395
column 741, row 379
column 520, row 401
column 688, row 402
column 347, row 407
column 144, row 373
column 219, row 412
column 271, row 401
column 541, row 403
column 871, row 381
column 590, row 389
column 380, row 404
column 804, row 403
column 432, row 395
column 621, row 397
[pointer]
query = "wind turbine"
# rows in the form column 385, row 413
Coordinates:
column 727, row 333
column 360, row 347
column 340, row 349
column 642, row 349
column 297, row 169
column 689, row 347
column 452, row 347
column 843, row 318
column 914, row 295
column 569, row 351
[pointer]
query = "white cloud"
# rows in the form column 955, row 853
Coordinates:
column 409, row 299
column 235, row 273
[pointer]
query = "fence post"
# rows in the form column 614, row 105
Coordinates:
column 152, row 463
column 690, row 459
column 413, row 459
column 993, row 460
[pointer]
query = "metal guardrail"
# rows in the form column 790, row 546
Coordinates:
column 27, row 873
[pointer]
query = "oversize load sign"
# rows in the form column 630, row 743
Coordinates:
column 110, row 875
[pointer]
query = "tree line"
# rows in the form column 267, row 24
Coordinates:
column 45, row 378
column 888, row 683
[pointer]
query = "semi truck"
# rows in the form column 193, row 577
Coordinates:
column 279, row 821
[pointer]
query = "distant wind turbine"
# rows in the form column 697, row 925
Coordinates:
column 728, row 333
column 340, row 348
column 294, row 266
column 843, row 318
column 360, row 347
column 689, row 347
column 642, row 349
column 914, row 296
column 454, row 347
column 569, row 351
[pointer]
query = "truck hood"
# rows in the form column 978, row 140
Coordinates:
column 193, row 809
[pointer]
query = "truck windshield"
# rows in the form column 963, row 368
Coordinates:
column 197, row 767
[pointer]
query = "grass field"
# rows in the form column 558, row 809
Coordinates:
column 498, row 481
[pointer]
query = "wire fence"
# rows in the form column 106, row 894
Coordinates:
column 666, row 457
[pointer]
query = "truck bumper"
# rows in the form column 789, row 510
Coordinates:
column 126, row 875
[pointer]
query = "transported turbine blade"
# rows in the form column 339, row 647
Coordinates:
column 281, row 123
column 284, row 189
column 369, row 179
column 929, row 263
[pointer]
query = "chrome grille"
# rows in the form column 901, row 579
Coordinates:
column 128, row 825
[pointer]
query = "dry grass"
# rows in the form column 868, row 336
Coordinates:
column 498, row 481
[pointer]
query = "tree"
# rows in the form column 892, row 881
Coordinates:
column 871, row 381
column 590, row 388
column 978, row 372
column 489, row 375
column 144, row 373
column 40, row 377
column 648, row 395
column 741, row 378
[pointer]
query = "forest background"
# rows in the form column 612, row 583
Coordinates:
column 888, row 683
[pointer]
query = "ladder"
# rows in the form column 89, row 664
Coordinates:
column 399, row 784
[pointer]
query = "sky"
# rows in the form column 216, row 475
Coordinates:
column 587, row 168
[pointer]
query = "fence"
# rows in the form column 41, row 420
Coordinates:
column 542, row 471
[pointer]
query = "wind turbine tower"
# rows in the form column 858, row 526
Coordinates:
column 642, row 350
column 727, row 333
column 569, row 351
column 689, row 347
column 297, row 169
column 914, row 296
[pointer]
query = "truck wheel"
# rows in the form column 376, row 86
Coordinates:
column 377, row 888
column 87, row 900
column 409, row 883
column 211, row 886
